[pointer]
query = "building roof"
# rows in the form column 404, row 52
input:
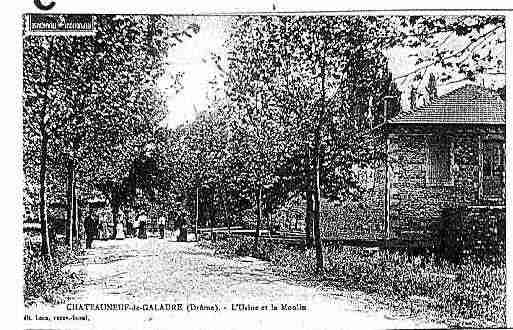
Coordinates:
column 469, row 104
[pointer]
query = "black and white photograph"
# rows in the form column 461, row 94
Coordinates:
column 302, row 170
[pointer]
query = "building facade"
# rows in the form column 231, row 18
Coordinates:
column 447, row 154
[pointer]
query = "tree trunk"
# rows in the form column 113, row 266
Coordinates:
column 75, row 213
column 319, row 258
column 308, row 218
column 45, row 239
column 71, row 205
column 259, row 220
column 269, row 223
column 210, row 219
column 197, row 215
column 309, row 198
column 80, row 232
column 226, row 216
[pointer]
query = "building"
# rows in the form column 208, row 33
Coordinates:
column 447, row 154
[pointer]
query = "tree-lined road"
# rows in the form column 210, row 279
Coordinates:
column 157, row 271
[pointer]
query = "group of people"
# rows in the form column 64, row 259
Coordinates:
column 96, row 225
column 137, row 227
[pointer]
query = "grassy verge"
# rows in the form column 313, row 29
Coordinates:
column 470, row 294
column 49, row 281
column 242, row 247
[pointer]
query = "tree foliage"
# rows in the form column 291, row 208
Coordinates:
column 93, row 102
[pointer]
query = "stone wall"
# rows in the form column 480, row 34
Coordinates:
column 474, row 231
column 416, row 207
column 484, row 230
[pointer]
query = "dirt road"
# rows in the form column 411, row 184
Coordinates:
column 159, row 284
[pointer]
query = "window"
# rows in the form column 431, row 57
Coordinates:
column 493, row 159
column 439, row 159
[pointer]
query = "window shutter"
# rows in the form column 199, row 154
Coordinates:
column 438, row 161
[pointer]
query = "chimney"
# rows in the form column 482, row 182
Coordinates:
column 385, row 107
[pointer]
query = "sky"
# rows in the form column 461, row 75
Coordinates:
column 400, row 62
column 192, row 59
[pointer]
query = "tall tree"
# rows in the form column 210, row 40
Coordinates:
column 320, row 73
column 99, row 102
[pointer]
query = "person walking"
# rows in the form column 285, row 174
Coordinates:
column 91, row 229
column 143, row 219
column 182, row 226
column 135, row 227
column 129, row 224
column 162, row 226
column 103, row 226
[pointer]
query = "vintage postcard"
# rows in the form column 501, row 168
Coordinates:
column 292, row 170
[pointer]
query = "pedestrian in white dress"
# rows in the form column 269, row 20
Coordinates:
column 104, row 227
column 120, row 228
